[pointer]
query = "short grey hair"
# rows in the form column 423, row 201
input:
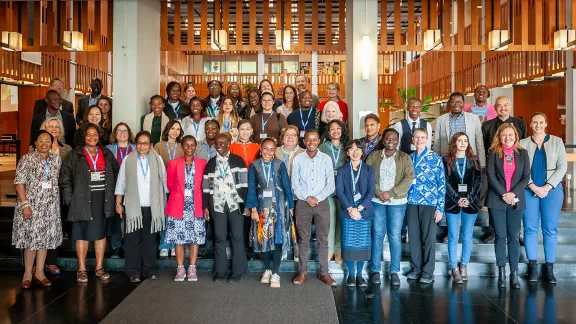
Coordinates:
column 504, row 97
column 61, row 135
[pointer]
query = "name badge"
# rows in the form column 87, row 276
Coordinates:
column 462, row 188
column 412, row 147
column 357, row 197
column 302, row 133
column 46, row 185
column 267, row 194
column 95, row 176
column 263, row 135
column 188, row 192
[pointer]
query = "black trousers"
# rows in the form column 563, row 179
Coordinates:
column 422, row 233
column 507, row 227
column 140, row 248
column 235, row 220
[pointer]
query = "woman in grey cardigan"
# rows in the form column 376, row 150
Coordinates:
column 141, row 201
column 544, row 195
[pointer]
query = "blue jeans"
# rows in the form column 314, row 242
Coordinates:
column 388, row 219
column 454, row 221
column 163, row 245
column 547, row 211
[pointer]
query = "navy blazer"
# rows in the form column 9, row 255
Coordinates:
column 345, row 194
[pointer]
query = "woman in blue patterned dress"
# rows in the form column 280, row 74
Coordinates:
column 185, row 222
column 271, row 204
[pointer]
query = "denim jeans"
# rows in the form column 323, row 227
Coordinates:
column 163, row 245
column 454, row 221
column 547, row 212
column 388, row 219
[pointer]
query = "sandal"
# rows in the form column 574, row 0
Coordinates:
column 81, row 276
column 103, row 274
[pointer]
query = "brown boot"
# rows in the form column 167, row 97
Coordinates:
column 456, row 276
column 300, row 278
column 325, row 278
column 464, row 272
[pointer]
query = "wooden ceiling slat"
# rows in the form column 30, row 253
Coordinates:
column 239, row 45
column 447, row 16
column 164, row 26
column 411, row 39
column 342, row 26
column 252, row 25
column 301, row 20
column 328, row 25
column 178, row 22
column 266, row 26
column 314, row 25
column 433, row 14
column 551, row 23
column 538, row 20
column 474, row 25
column 191, row 30
column 204, row 40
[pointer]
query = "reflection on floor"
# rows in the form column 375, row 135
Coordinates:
column 478, row 301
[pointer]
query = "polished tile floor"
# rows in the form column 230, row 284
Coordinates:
column 478, row 301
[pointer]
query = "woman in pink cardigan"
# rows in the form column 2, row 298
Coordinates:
column 185, row 222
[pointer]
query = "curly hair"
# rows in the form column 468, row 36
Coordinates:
column 80, row 135
column 343, row 138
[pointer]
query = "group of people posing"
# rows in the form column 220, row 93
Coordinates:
column 281, row 166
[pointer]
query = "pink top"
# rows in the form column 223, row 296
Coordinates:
column 490, row 114
column 175, row 180
column 509, row 169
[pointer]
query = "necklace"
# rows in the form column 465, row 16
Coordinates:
column 509, row 158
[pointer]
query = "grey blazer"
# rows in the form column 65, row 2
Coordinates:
column 556, row 164
column 497, row 180
column 473, row 130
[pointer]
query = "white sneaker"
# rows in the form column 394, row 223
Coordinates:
column 275, row 281
column 173, row 253
column 164, row 253
column 266, row 277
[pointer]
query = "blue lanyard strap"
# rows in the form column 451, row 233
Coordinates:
column 355, row 179
column 95, row 159
column 307, row 118
column 177, row 109
column 209, row 150
column 171, row 156
column 213, row 107
column 223, row 173
column 286, row 154
column 335, row 157
column 226, row 126
column 462, row 172
column 417, row 159
column 196, row 126
column 266, row 174
column 264, row 123
column 189, row 172
column 46, row 167
column 119, row 151
column 144, row 169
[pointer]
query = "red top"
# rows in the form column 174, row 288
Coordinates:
column 100, row 162
column 249, row 152
column 343, row 108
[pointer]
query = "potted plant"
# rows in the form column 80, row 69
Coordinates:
column 406, row 94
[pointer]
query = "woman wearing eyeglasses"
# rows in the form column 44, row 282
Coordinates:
column 141, row 202
column 87, row 181
column 175, row 108
column 37, row 225
column 213, row 102
column 235, row 92
column 267, row 123
column 122, row 145
column 289, row 149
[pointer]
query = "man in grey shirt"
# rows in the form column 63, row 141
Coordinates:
column 302, row 84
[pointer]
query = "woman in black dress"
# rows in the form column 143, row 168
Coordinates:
column 89, row 195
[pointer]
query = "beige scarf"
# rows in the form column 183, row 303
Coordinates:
column 147, row 126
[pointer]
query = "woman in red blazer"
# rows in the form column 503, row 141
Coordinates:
column 185, row 222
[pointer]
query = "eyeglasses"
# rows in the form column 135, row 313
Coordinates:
column 354, row 149
column 335, row 129
column 143, row 143
column 92, row 135
column 44, row 141
column 213, row 87
column 122, row 131
column 290, row 135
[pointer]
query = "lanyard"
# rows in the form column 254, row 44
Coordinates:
column 226, row 126
column 94, row 160
column 223, row 173
column 266, row 174
column 189, row 173
column 264, row 123
column 307, row 118
column 355, row 179
column 46, row 167
column 286, row 154
column 119, row 150
column 196, row 126
column 144, row 170
column 177, row 109
column 335, row 157
column 208, row 150
column 419, row 159
column 171, row 156
column 213, row 107
column 462, row 172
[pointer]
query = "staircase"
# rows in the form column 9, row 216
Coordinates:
column 482, row 262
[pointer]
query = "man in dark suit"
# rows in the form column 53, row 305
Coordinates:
column 90, row 99
column 54, row 101
column 56, row 84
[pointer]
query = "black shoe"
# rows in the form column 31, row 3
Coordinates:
column 394, row 280
column 532, row 273
column 116, row 253
column 403, row 239
column 426, row 278
column 375, row 278
column 235, row 277
column 501, row 277
column 350, row 281
column 413, row 275
column 219, row 277
column 549, row 273
column 514, row 280
column 361, row 282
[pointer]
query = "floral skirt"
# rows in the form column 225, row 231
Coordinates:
column 188, row 230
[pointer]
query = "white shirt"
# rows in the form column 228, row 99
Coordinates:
column 143, row 182
column 398, row 128
column 313, row 177
column 190, row 129
column 387, row 178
